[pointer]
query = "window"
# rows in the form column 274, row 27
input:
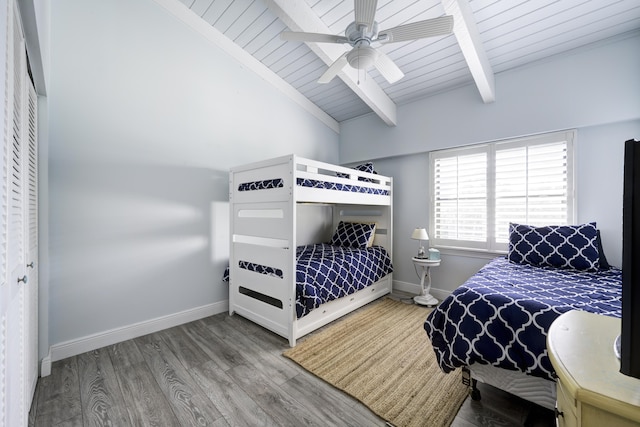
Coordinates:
column 477, row 190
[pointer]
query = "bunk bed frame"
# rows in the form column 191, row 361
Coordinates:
column 266, row 204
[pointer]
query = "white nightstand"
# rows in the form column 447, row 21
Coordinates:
column 425, row 265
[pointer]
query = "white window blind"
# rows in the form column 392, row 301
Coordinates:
column 460, row 211
column 477, row 190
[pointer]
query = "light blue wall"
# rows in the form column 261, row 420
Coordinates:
column 145, row 119
column 592, row 86
column 595, row 90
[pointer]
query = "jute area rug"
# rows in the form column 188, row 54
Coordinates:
column 382, row 356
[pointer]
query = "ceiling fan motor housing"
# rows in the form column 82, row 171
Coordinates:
column 356, row 33
column 360, row 36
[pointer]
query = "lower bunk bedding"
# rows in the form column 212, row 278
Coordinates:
column 501, row 315
column 327, row 272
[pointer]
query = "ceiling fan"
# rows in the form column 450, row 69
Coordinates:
column 364, row 37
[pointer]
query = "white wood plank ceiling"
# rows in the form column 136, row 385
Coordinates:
column 509, row 34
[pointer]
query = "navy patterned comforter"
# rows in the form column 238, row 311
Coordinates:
column 325, row 272
column 269, row 184
column 314, row 183
column 501, row 315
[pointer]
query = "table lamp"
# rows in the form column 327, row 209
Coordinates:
column 420, row 234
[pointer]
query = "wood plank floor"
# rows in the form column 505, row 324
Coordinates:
column 221, row 371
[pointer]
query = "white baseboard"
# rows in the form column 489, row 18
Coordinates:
column 92, row 342
column 414, row 288
column 45, row 366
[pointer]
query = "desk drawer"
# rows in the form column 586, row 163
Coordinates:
column 566, row 412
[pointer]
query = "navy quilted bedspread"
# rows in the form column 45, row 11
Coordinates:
column 501, row 315
column 325, row 272
column 268, row 184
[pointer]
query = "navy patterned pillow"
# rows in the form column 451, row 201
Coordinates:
column 365, row 167
column 353, row 235
column 563, row 246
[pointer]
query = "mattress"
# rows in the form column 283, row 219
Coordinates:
column 501, row 315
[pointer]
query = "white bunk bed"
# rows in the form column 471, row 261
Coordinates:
column 272, row 214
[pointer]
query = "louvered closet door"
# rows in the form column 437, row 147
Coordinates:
column 30, row 185
column 5, row 289
column 13, row 366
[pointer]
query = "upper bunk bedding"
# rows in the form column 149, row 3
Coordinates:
column 268, row 184
column 501, row 315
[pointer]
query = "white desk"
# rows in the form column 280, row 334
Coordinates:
column 591, row 390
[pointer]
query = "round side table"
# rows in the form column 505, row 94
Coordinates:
column 425, row 265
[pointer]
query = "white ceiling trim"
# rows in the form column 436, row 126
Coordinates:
column 468, row 36
column 298, row 16
column 184, row 14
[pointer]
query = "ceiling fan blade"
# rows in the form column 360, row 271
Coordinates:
column 334, row 69
column 365, row 11
column 388, row 68
column 418, row 30
column 311, row 37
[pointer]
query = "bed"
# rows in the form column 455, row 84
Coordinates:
column 310, row 242
column 495, row 324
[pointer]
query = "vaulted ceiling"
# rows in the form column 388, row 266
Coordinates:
column 489, row 37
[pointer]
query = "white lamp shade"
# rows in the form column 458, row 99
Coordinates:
column 420, row 234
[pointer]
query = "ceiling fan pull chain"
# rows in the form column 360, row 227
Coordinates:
column 358, row 64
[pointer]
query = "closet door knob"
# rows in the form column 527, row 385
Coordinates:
column 30, row 265
column 23, row 279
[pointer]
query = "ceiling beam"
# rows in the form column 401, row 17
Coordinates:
column 468, row 36
column 298, row 16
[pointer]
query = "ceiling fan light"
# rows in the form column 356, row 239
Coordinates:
column 362, row 58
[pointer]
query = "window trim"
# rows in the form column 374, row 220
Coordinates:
column 490, row 246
